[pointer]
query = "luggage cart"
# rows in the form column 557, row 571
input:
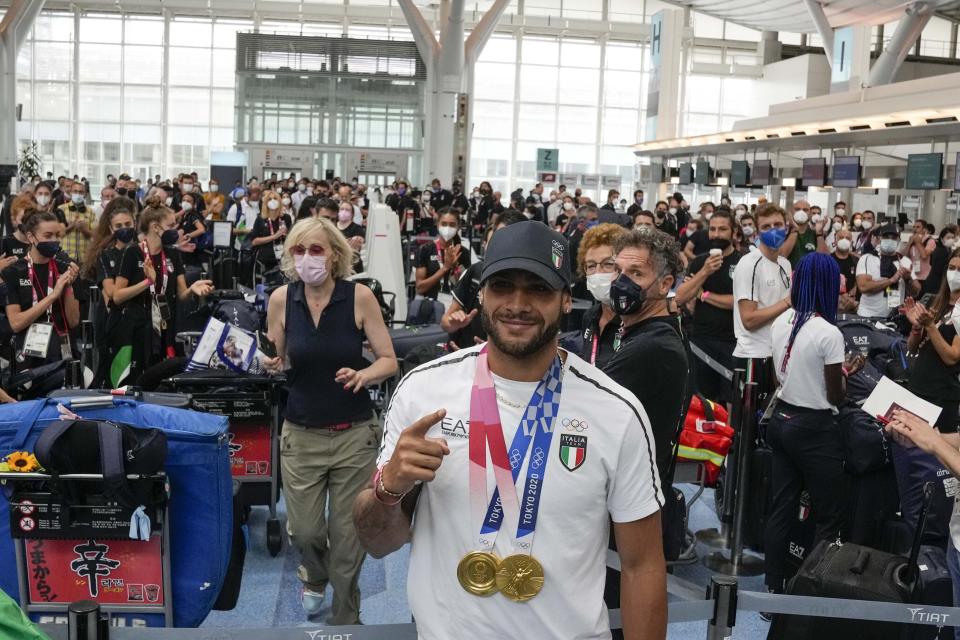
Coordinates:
column 82, row 551
column 251, row 403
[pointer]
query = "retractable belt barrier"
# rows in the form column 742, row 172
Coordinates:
column 719, row 610
column 710, row 362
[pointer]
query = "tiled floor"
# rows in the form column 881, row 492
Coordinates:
column 270, row 589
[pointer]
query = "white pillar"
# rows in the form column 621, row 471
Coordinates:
column 908, row 30
column 666, row 74
column 447, row 62
column 16, row 24
column 815, row 9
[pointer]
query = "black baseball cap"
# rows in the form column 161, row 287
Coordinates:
column 529, row 246
column 888, row 230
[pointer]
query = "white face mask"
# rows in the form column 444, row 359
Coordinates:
column 302, row 187
column 844, row 244
column 888, row 246
column 837, row 226
column 599, row 286
column 840, row 211
column 949, row 242
column 168, row 201
column 188, row 206
column 214, row 188
column 673, row 211
column 77, row 198
column 273, row 205
column 568, row 206
column 747, row 231
column 43, row 200
column 800, row 217
column 741, row 213
column 866, row 225
column 309, row 191
column 953, row 281
column 186, row 187
column 447, row 233
column 708, row 215
column 815, row 218
column 286, row 202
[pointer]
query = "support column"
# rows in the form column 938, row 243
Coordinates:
column 815, row 9
column 447, row 62
column 664, row 95
column 769, row 47
column 16, row 24
column 934, row 208
column 953, row 39
column 908, row 30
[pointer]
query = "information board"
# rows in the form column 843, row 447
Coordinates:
column 924, row 171
column 686, row 173
column 704, row 173
column 739, row 173
column 762, row 173
column 814, row 172
column 846, row 171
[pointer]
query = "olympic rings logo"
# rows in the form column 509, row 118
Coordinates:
column 515, row 458
column 538, row 456
column 575, row 424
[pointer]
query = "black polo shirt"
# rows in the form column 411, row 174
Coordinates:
column 263, row 228
column 20, row 291
column 710, row 321
column 430, row 258
column 662, row 395
column 11, row 246
column 604, row 339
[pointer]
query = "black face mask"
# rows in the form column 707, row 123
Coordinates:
column 122, row 191
column 626, row 296
column 719, row 243
column 170, row 237
column 125, row 234
column 48, row 249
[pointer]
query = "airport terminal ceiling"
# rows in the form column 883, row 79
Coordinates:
column 793, row 16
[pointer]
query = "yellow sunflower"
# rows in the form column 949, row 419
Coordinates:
column 22, row 461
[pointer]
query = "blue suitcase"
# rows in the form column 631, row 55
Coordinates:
column 201, row 501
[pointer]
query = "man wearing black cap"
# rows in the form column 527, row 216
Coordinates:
column 514, row 477
column 883, row 279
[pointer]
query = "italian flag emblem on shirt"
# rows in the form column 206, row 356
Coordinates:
column 573, row 450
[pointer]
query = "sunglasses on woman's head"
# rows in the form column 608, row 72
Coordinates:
column 314, row 250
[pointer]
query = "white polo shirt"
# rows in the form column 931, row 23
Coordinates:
column 877, row 304
column 766, row 283
column 617, row 477
column 818, row 343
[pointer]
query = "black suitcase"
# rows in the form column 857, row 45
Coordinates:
column 758, row 498
column 873, row 500
column 422, row 339
column 854, row 572
column 934, row 588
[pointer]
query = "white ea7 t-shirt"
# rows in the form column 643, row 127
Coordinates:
column 817, row 344
column 766, row 283
column 614, row 475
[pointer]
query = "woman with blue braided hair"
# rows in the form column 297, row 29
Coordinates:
column 808, row 356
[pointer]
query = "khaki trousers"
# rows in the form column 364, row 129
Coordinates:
column 317, row 465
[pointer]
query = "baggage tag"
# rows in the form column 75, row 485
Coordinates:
column 65, row 349
column 409, row 221
column 278, row 251
column 706, row 426
column 894, row 299
column 445, row 299
column 36, row 343
column 951, row 487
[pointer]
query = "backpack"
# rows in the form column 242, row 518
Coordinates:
column 99, row 446
column 706, row 436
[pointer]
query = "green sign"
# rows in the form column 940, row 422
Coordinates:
column 548, row 160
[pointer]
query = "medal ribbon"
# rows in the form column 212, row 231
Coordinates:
column 485, row 426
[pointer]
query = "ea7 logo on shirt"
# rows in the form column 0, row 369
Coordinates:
column 454, row 428
column 573, row 450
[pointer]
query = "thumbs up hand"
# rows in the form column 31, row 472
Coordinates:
column 416, row 457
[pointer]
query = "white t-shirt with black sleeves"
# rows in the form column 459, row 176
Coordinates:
column 765, row 282
column 876, row 304
column 818, row 343
column 617, row 477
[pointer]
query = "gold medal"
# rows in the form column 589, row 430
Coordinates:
column 520, row 577
column 477, row 573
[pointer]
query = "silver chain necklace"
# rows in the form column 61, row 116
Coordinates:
column 509, row 403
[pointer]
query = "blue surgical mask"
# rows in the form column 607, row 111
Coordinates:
column 774, row 238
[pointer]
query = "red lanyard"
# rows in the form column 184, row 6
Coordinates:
column 161, row 270
column 593, row 352
column 53, row 274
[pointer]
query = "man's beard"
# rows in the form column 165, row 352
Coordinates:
column 548, row 334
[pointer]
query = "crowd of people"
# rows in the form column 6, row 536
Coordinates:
column 753, row 287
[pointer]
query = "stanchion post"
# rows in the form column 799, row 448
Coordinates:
column 85, row 623
column 736, row 419
column 744, row 451
column 723, row 592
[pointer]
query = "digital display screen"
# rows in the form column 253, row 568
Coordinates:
column 956, row 174
column 814, row 172
column 686, row 173
column 704, row 174
column 924, row 171
column 739, row 173
column 762, row 173
column 846, row 171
